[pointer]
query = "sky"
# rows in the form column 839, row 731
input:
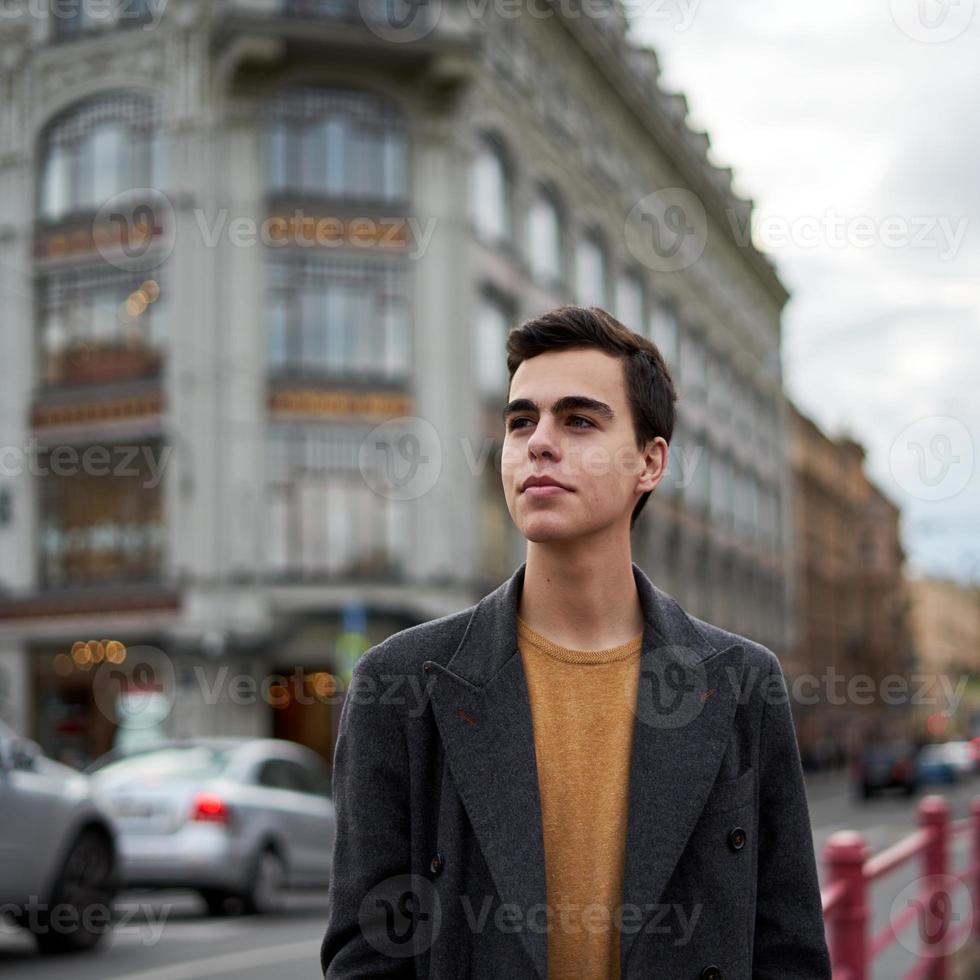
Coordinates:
column 855, row 128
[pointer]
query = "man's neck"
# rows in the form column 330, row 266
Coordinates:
column 581, row 597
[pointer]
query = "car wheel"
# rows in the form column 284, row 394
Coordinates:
column 264, row 894
column 87, row 886
column 216, row 899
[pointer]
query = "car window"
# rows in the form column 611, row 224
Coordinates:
column 286, row 774
column 191, row 761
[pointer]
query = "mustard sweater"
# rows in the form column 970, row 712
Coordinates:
column 582, row 709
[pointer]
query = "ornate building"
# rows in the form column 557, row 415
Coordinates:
column 259, row 260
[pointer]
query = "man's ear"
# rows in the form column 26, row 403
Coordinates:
column 655, row 456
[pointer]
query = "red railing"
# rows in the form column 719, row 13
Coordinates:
column 851, row 870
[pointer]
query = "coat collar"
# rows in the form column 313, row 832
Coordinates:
column 481, row 706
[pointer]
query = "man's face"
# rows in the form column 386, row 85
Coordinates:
column 588, row 447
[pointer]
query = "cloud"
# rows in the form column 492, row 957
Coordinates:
column 832, row 111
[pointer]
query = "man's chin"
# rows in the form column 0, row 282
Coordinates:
column 544, row 528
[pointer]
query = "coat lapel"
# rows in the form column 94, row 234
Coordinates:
column 686, row 700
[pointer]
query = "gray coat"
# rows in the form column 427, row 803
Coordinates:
column 439, row 860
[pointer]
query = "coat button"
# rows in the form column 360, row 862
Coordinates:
column 736, row 838
column 435, row 865
column 427, row 666
column 711, row 973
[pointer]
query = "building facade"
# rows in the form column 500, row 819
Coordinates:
column 851, row 600
column 945, row 623
column 259, row 259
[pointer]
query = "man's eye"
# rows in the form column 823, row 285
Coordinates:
column 582, row 418
column 516, row 422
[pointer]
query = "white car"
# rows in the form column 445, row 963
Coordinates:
column 57, row 850
column 232, row 818
column 960, row 755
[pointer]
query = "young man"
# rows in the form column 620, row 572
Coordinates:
column 573, row 779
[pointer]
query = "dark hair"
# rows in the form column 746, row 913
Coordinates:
column 649, row 386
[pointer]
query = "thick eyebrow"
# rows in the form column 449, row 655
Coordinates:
column 566, row 403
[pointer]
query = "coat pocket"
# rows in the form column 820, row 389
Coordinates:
column 730, row 794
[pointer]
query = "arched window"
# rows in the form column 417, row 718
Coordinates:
column 590, row 270
column 544, row 238
column 96, row 149
column 490, row 192
column 335, row 142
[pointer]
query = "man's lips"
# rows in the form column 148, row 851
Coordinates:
column 544, row 490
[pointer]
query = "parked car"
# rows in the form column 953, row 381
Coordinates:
column 949, row 762
column 937, row 764
column 887, row 765
column 233, row 818
column 961, row 755
column 57, row 850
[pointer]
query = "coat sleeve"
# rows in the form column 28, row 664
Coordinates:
column 372, row 847
column 790, row 941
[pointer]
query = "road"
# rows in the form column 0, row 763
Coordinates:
column 166, row 936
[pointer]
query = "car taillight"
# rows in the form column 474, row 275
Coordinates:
column 210, row 807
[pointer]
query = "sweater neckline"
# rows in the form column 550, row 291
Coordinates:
column 567, row 655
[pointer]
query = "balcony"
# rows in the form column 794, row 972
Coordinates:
column 439, row 39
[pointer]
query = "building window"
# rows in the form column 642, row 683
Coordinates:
column 335, row 143
column 98, row 324
column 590, row 271
column 490, row 192
column 697, row 478
column 693, row 367
column 337, row 317
column 629, row 301
column 663, row 331
column 325, row 516
column 97, row 149
column 544, row 238
column 492, row 324
column 101, row 522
